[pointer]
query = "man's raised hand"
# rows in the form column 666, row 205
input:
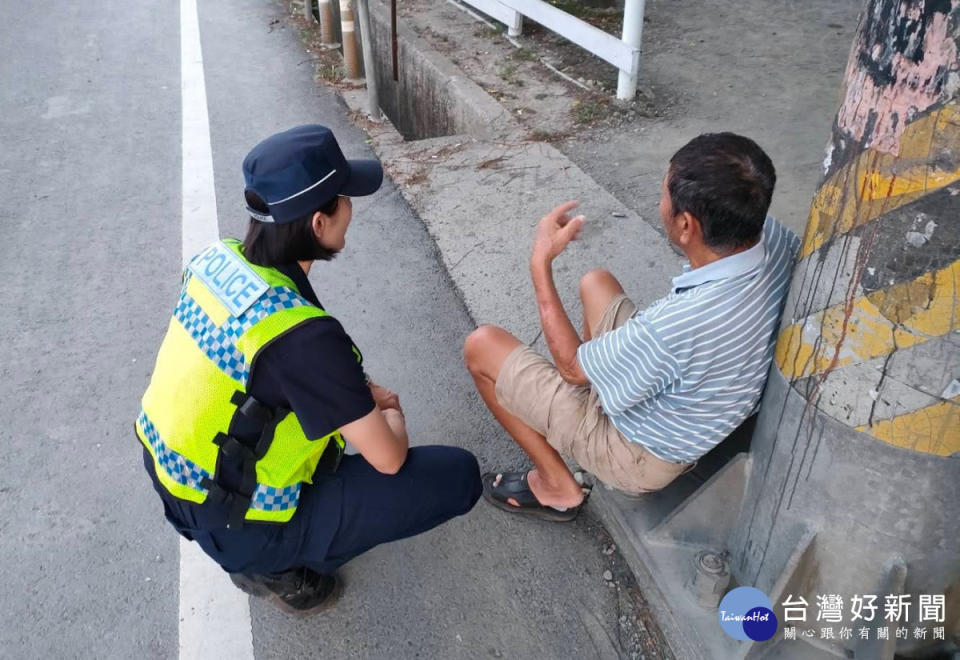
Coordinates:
column 554, row 233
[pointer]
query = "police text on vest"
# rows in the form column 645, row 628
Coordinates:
column 228, row 277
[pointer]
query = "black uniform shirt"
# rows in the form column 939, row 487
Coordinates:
column 311, row 370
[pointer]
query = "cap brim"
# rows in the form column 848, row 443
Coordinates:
column 365, row 178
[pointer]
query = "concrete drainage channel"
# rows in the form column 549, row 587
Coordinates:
column 480, row 184
column 432, row 97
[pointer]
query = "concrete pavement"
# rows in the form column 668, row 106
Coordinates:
column 91, row 170
column 91, row 135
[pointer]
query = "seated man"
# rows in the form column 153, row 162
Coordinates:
column 644, row 394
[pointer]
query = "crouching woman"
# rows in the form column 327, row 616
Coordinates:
column 257, row 389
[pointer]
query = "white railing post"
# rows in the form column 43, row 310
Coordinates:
column 621, row 53
column 499, row 12
column 515, row 29
column 632, row 32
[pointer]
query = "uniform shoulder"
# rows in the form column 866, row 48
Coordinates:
column 317, row 328
column 307, row 342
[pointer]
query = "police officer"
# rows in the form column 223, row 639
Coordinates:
column 257, row 388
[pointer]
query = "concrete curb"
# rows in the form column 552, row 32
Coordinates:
column 609, row 509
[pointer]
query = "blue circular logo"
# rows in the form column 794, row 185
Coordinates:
column 747, row 614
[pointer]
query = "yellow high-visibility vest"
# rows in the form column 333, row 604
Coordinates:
column 228, row 311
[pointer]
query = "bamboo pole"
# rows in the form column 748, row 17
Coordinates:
column 351, row 58
column 328, row 29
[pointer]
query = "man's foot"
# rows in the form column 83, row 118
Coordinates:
column 510, row 491
column 567, row 496
column 301, row 591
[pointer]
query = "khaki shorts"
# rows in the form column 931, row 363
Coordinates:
column 571, row 419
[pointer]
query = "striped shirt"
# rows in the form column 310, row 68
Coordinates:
column 681, row 375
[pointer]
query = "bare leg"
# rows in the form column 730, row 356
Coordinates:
column 485, row 351
column 597, row 289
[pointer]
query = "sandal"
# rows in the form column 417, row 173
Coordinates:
column 500, row 488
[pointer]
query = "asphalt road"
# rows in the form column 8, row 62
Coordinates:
column 90, row 161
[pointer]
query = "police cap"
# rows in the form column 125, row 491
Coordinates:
column 301, row 169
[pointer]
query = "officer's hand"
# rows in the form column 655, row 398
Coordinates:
column 385, row 398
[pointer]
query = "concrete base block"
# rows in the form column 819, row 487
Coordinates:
column 703, row 518
column 894, row 583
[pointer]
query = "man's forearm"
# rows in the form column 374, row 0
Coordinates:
column 561, row 337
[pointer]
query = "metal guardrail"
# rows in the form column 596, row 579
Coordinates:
column 622, row 53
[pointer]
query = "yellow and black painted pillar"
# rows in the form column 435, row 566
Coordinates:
column 854, row 477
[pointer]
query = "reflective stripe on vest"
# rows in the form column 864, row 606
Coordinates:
column 219, row 342
column 205, row 358
column 182, row 469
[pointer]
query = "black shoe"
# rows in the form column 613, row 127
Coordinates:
column 300, row 591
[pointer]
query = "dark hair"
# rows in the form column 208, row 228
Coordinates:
column 726, row 182
column 269, row 244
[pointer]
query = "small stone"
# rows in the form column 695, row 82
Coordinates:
column 608, row 576
column 617, row 214
column 916, row 239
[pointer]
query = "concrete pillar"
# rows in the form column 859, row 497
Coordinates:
column 854, row 479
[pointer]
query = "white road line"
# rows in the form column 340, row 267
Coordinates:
column 199, row 199
column 214, row 615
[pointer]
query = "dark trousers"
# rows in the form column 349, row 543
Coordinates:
column 345, row 514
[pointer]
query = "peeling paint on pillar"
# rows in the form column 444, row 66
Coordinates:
column 904, row 63
column 879, row 269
